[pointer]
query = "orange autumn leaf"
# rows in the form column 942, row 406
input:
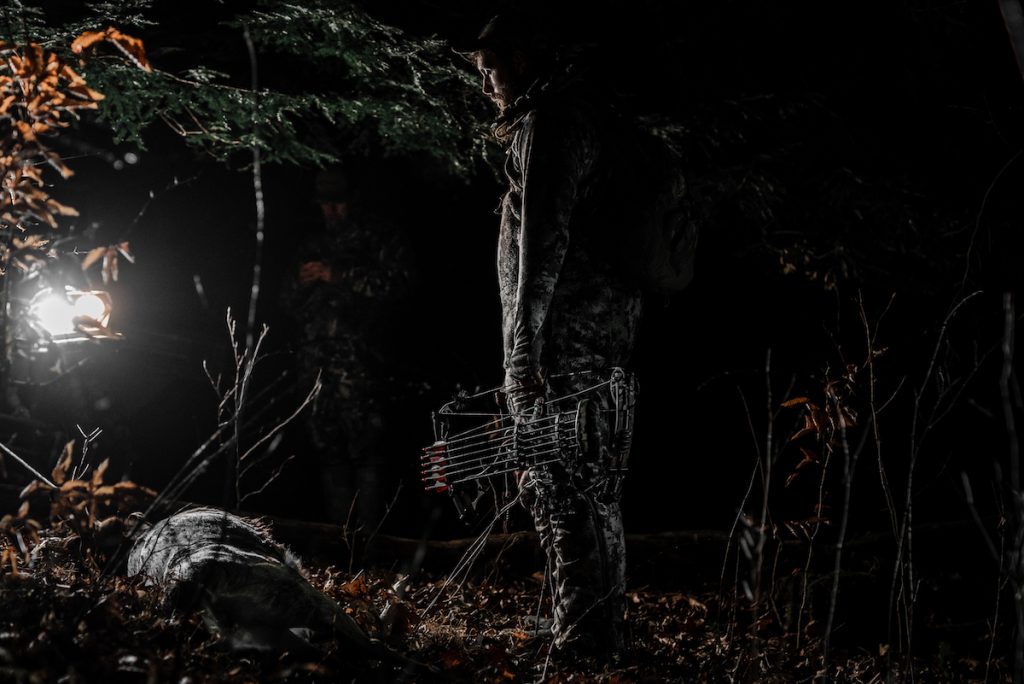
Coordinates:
column 809, row 458
column 61, row 209
column 87, row 40
column 60, row 471
column 807, row 428
column 130, row 46
column 97, row 475
column 355, row 587
column 93, row 255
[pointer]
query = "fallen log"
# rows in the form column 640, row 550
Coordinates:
column 659, row 558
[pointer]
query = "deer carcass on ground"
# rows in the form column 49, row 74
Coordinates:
column 250, row 589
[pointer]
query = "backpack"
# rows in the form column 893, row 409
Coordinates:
column 651, row 231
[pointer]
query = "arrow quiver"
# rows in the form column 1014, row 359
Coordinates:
column 477, row 450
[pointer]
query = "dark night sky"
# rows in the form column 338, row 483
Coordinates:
column 926, row 94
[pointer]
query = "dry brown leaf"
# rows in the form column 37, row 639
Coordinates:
column 124, row 250
column 93, row 255
column 808, row 428
column 26, row 131
column 86, row 41
column 86, row 93
column 60, row 471
column 61, row 209
column 110, row 270
column 847, row 417
column 450, row 659
column 695, row 604
column 104, row 492
column 9, row 556
column 97, row 475
column 130, row 488
column 30, row 242
column 355, row 586
column 817, row 417
column 54, row 161
column 32, row 487
column 131, row 47
column 809, row 458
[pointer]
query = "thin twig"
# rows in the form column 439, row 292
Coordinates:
column 969, row 498
column 746, row 495
column 257, row 184
column 387, row 512
column 273, row 476
column 42, row 478
column 1001, row 582
column 1005, row 377
column 849, row 468
column 762, row 524
column 310, row 396
column 462, row 568
column 869, row 338
column 804, row 592
column 1015, row 563
column 981, row 210
column 903, row 569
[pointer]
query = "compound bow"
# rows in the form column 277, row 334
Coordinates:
column 567, row 430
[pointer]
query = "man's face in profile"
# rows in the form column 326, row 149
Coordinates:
column 501, row 76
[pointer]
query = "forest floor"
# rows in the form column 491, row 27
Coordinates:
column 62, row 620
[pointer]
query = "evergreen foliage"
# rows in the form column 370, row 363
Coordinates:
column 331, row 80
column 771, row 174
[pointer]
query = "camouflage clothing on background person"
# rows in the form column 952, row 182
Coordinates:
column 565, row 310
column 345, row 313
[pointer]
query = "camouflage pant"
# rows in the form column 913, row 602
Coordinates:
column 347, row 435
column 580, row 527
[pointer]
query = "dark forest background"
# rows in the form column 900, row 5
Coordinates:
column 838, row 155
column 858, row 170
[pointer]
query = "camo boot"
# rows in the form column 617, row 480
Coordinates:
column 583, row 542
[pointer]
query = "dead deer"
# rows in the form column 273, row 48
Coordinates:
column 250, row 589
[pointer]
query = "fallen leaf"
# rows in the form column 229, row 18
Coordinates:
column 355, row 586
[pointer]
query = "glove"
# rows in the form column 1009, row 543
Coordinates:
column 313, row 271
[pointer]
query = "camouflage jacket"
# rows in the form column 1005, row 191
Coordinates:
column 564, row 306
column 345, row 324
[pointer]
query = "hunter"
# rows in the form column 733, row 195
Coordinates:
column 568, row 314
column 345, row 294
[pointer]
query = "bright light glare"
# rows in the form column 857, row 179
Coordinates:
column 89, row 306
column 55, row 314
